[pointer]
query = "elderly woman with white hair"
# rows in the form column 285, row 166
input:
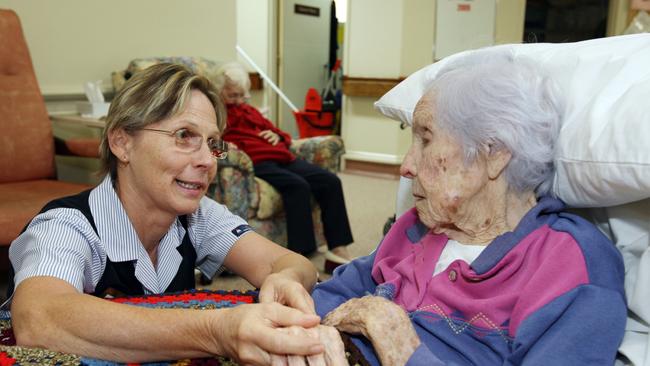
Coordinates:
column 488, row 268
column 295, row 179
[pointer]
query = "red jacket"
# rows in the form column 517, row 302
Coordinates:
column 244, row 125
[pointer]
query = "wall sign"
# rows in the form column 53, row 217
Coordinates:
column 306, row 10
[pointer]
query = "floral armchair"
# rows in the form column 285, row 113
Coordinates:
column 199, row 65
column 235, row 184
column 257, row 201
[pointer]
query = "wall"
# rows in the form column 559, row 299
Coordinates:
column 509, row 27
column 73, row 41
column 618, row 17
column 256, row 35
column 392, row 39
column 372, row 44
column 373, row 35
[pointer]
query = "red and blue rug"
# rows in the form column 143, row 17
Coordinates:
column 10, row 354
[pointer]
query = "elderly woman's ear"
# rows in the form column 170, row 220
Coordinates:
column 497, row 160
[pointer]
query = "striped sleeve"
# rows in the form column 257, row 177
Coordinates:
column 214, row 230
column 57, row 243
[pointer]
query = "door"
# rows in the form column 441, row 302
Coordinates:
column 303, row 51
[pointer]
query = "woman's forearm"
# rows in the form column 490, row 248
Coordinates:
column 82, row 324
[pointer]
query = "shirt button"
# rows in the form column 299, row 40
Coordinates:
column 452, row 275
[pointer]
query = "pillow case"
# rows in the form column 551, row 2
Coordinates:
column 603, row 152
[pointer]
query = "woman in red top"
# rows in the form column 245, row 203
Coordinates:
column 295, row 179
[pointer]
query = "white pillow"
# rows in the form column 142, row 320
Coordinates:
column 603, row 156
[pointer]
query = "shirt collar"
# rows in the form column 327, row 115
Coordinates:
column 121, row 242
column 117, row 234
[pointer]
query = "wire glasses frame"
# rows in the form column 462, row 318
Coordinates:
column 190, row 141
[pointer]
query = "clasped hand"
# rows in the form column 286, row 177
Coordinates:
column 372, row 316
column 270, row 136
column 282, row 329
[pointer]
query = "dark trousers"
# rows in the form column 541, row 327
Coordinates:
column 297, row 182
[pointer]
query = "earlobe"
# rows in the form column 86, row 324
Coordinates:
column 119, row 142
column 497, row 160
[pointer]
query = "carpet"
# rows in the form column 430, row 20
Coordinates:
column 12, row 355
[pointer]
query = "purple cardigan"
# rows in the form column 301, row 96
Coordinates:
column 548, row 293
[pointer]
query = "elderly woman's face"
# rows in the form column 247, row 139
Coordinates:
column 166, row 176
column 234, row 94
column 442, row 183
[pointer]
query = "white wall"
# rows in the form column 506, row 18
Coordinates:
column 383, row 39
column 392, row 39
column 418, row 35
column 73, row 41
column 372, row 32
column 252, row 30
column 509, row 27
column 256, row 35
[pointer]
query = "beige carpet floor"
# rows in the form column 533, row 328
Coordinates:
column 369, row 200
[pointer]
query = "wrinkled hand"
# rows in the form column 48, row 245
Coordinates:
column 278, row 287
column 334, row 354
column 251, row 333
column 270, row 136
column 383, row 322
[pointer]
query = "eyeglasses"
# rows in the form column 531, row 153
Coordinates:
column 190, row 141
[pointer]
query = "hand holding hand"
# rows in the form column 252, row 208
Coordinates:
column 270, row 136
column 278, row 287
column 334, row 354
column 373, row 316
column 251, row 333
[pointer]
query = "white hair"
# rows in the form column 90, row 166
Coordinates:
column 492, row 99
column 232, row 73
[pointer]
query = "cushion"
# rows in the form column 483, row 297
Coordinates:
column 603, row 155
column 270, row 201
column 26, row 142
column 21, row 201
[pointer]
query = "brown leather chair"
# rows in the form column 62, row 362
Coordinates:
column 27, row 148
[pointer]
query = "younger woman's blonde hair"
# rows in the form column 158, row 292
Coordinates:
column 156, row 93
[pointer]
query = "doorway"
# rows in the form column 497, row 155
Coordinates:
column 303, row 53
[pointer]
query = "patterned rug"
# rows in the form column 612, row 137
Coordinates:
column 10, row 354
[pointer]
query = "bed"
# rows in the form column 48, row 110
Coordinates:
column 603, row 155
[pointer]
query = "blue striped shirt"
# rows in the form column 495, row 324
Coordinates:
column 61, row 243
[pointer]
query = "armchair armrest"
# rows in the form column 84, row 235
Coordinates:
column 234, row 184
column 324, row 151
column 82, row 147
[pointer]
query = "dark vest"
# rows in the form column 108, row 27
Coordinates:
column 119, row 278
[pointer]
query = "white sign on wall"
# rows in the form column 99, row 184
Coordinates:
column 463, row 25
